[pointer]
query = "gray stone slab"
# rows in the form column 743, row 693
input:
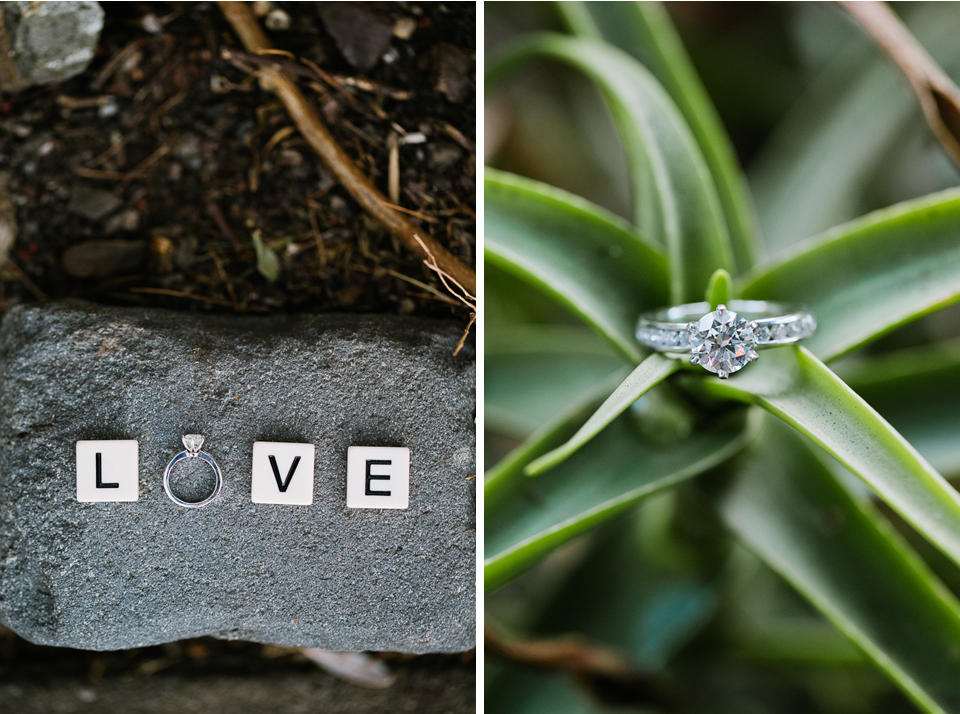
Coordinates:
column 118, row 575
column 47, row 42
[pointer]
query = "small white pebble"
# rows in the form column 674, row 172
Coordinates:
column 277, row 20
column 108, row 109
column 151, row 24
column 404, row 27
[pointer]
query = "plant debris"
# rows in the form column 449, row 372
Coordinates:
column 171, row 123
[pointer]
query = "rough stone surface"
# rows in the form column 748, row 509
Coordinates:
column 46, row 42
column 118, row 575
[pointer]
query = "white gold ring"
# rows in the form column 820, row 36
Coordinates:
column 192, row 443
column 725, row 340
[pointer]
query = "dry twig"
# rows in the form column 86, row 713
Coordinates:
column 569, row 654
column 938, row 94
column 461, row 293
column 322, row 141
column 181, row 294
column 598, row 668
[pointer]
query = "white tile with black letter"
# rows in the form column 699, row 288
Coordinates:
column 108, row 470
column 378, row 477
column 282, row 473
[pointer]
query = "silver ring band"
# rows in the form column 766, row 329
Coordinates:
column 776, row 323
column 725, row 340
column 193, row 442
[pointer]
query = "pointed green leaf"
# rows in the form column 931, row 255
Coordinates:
column 501, row 481
column 795, row 386
column 917, row 390
column 653, row 370
column 719, row 289
column 863, row 279
column 644, row 31
column 675, row 199
column 782, row 501
column 577, row 253
column 608, row 475
column 508, row 300
column 540, row 373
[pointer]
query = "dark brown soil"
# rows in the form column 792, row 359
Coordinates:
column 213, row 676
column 201, row 158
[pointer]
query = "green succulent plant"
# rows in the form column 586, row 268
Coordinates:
column 831, row 480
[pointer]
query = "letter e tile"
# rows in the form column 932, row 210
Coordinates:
column 378, row 477
column 282, row 473
column 108, row 470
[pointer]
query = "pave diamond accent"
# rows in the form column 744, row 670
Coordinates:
column 193, row 443
column 722, row 342
column 665, row 339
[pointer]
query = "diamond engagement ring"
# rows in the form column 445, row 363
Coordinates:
column 726, row 340
column 192, row 443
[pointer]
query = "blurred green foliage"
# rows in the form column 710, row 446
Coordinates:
column 783, row 541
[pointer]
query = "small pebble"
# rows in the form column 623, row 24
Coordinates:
column 277, row 20
column 127, row 221
column 92, row 203
column 404, row 27
column 103, row 258
column 455, row 68
column 443, row 154
column 151, row 24
column 362, row 36
column 109, row 108
column 162, row 251
column 416, row 138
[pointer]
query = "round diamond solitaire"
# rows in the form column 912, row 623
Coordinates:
column 193, row 443
column 722, row 342
column 725, row 340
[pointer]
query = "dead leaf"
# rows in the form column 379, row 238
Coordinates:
column 938, row 94
column 268, row 264
column 356, row 667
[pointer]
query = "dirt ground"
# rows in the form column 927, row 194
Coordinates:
column 146, row 180
column 158, row 165
column 213, row 676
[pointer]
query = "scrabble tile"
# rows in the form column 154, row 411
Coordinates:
column 282, row 473
column 378, row 477
column 108, row 470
